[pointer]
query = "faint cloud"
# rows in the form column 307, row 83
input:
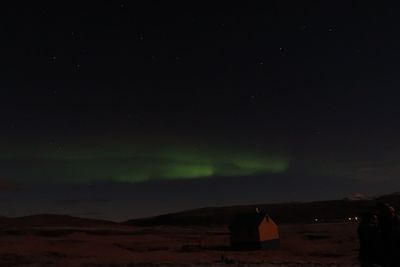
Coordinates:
column 7, row 184
column 81, row 201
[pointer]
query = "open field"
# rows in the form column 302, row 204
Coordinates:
column 301, row 245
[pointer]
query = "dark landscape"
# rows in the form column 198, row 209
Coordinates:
column 228, row 133
column 189, row 238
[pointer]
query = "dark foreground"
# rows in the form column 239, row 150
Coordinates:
column 301, row 245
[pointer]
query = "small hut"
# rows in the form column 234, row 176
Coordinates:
column 254, row 231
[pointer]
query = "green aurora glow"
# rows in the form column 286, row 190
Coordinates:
column 143, row 162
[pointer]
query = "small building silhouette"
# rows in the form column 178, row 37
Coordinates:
column 253, row 231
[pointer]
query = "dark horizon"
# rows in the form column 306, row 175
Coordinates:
column 124, row 201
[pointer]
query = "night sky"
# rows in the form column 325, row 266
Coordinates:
column 122, row 110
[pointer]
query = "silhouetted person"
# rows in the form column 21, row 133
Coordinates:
column 389, row 225
column 369, row 235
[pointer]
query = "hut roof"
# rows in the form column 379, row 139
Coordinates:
column 247, row 220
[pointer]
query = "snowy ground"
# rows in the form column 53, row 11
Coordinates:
column 301, row 245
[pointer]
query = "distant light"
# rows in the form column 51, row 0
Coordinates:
column 316, row 220
column 356, row 218
column 349, row 219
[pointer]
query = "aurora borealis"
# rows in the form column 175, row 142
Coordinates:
column 146, row 160
column 122, row 110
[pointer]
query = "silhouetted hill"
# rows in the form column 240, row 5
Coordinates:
column 323, row 211
column 295, row 212
column 51, row 220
